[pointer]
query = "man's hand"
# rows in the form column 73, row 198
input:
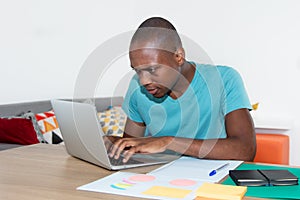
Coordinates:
column 109, row 141
column 129, row 146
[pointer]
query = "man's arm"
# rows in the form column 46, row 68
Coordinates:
column 133, row 129
column 240, row 142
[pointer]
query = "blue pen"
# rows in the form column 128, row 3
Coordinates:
column 213, row 172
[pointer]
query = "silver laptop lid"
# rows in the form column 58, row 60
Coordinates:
column 80, row 129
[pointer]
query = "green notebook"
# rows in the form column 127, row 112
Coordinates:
column 279, row 192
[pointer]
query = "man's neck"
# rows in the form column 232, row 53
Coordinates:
column 184, row 80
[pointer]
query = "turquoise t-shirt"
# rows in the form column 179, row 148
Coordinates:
column 199, row 113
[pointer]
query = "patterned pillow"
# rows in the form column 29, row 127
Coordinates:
column 49, row 127
column 113, row 121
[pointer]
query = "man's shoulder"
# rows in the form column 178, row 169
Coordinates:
column 221, row 68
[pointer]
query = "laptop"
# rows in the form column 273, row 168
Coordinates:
column 84, row 138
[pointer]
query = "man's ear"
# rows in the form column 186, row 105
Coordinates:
column 180, row 56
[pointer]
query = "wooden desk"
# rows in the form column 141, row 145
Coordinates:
column 45, row 171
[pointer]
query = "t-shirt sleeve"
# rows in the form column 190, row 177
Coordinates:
column 236, row 95
column 130, row 103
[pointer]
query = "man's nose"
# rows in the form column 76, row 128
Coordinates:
column 145, row 78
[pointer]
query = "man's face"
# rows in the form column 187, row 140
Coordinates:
column 157, row 70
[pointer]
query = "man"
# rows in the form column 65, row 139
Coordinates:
column 173, row 104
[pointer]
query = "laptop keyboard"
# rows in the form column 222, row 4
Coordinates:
column 119, row 161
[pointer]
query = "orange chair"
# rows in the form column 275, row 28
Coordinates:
column 272, row 148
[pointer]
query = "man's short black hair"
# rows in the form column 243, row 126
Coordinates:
column 157, row 22
column 160, row 32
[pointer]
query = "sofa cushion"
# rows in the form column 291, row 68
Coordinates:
column 17, row 131
column 49, row 127
column 113, row 121
column 9, row 130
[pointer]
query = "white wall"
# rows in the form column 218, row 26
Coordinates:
column 44, row 44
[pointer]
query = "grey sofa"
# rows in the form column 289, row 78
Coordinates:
column 15, row 109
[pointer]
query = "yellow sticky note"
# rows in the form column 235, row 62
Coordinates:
column 218, row 191
column 163, row 191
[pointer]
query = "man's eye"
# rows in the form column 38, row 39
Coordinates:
column 152, row 70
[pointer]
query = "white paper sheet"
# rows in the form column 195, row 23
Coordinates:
column 120, row 183
column 184, row 175
column 189, row 167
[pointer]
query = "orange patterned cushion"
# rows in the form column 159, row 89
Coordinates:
column 49, row 127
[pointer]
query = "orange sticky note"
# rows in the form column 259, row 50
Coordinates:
column 218, row 191
column 163, row 191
